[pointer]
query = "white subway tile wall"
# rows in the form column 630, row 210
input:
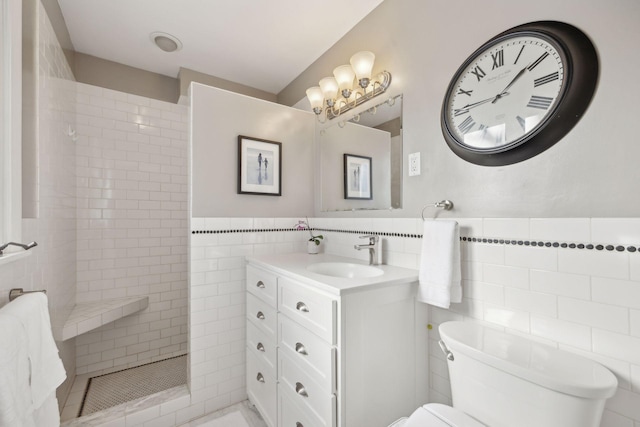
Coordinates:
column 217, row 306
column 581, row 300
column 217, row 296
column 132, row 225
column 51, row 265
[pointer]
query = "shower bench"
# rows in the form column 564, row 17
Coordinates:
column 91, row 315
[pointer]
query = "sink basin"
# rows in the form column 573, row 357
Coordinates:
column 345, row 270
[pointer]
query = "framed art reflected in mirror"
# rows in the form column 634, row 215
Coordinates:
column 357, row 177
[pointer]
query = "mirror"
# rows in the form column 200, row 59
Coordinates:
column 375, row 133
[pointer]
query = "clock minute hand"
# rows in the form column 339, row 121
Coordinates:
column 467, row 107
column 501, row 94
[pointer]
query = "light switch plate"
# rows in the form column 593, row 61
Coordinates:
column 414, row 164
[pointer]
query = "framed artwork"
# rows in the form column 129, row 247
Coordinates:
column 259, row 166
column 357, row 177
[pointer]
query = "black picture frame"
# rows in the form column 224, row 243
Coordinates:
column 358, row 183
column 259, row 166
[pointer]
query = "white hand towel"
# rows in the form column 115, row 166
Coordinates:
column 440, row 264
column 47, row 371
column 15, row 393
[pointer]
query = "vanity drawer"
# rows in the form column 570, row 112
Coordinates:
column 263, row 316
column 315, row 398
column 262, row 388
column 262, row 284
column 314, row 311
column 316, row 355
column 262, row 345
column 292, row 414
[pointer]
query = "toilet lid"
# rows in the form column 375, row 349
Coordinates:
column 437, row 415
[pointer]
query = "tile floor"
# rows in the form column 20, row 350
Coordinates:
column 69, row 415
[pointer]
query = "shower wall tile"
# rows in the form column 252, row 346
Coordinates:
column 51, row 265
column 132, row 223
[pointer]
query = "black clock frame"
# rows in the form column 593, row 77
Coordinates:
column 581, row 78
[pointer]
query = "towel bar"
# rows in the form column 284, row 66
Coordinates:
column 447, row 205
column 22, row 245
column 17, row 292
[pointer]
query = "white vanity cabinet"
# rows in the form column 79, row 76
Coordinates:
column 342, row 352
column 262, row 343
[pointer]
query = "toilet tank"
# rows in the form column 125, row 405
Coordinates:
column 504, row 380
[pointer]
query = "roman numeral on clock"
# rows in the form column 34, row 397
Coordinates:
column 478, row 72
column 464, row 92
column 541, row 102
column 518, row 57
column 498, row 59
column 546, row 79
column 538, row 61
column 466, row 125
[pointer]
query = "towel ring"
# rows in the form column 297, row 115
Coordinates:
column 447, row 205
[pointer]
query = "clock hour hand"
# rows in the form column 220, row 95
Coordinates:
column 504, row 91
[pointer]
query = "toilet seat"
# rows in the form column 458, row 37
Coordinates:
column 438, row 415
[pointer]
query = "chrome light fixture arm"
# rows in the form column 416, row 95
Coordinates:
column 379, row 86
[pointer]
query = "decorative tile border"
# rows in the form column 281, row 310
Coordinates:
column 246, row 230
column 467, row 239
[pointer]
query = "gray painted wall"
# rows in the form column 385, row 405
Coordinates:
column 217, row 118
column 592, row 172
column 112, row 75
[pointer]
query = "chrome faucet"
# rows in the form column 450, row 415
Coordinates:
column 375, row 254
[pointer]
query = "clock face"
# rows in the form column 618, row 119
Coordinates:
column 505, row 92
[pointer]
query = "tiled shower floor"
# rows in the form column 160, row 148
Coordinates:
column 110, row 390
column 70, row 411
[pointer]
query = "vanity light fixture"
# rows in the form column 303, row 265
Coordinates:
column 336, row 95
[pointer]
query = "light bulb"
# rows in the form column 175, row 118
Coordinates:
column 314, row 94
column 362, row 63
column 344, row 76
column 329, row 87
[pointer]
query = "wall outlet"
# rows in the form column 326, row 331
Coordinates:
column 414, row 164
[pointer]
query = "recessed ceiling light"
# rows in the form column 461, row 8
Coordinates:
column 165, row 41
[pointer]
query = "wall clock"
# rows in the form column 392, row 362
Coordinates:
column 519, row 93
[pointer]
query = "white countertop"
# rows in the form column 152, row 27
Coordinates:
column 295, row 266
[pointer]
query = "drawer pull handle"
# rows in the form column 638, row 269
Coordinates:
column 260, row 315
column 302, row 307
column 301, row 390
column 299, row 424
column 260, row 284
column 260, row 377
column 300, row 349
column 260, row 347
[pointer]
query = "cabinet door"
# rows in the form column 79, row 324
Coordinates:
column 262, row 388
column 316, row 355
column 263, row 316
column 314, row 398
column 313, row 310
column 262, row 284
column 262, row 345
column 292, row 414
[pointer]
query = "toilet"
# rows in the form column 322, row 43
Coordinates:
column 503, row 380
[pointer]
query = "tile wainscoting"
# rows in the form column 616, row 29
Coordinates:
column 573, row 283
column 571, row 298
